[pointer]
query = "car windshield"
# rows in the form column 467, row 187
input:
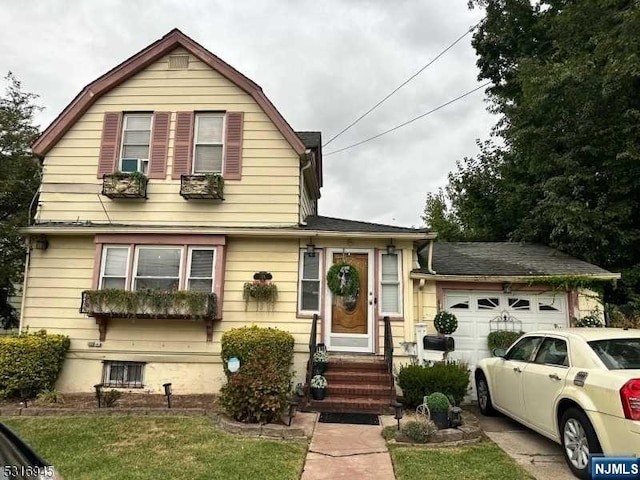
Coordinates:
column 618, row 353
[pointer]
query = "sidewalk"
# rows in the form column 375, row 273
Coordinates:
column 340, row 451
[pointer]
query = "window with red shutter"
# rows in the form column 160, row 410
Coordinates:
column 110, row 143
column 182, row 149
column 159, row 145
column 233, row 146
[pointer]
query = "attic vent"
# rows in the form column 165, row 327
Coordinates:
column 178, row 62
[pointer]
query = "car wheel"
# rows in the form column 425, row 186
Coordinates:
column 579, row 440
column 484, row 397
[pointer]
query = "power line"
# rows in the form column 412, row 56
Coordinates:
column 467, row 32
column 409, row 121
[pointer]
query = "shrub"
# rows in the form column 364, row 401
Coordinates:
column 438, row 402
column 50, row 396
column 593, row 320
column 111, row 397
column 246, row 343
column 502, row 339
column 445, row 322
column 450, row 378
column 258, row 392
column 32, row 362
column 419, row 431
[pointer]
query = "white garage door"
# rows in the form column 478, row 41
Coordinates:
column 480, row 312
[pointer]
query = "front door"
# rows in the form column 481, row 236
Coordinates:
column 350, row 319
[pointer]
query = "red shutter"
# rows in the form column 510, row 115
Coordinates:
column 233, row 146
column 159, row 145
column 110, row 144
column 182, row 149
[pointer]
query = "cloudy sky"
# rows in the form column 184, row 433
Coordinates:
column 322, row 63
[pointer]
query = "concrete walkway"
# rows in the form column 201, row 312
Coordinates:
column 540, row 456
column 339, row 451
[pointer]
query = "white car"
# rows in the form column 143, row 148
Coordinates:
column 577, row 386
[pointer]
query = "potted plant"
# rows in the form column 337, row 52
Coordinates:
column 318, row 387
column 320, row 360
column 438, row 405
column 263, row 292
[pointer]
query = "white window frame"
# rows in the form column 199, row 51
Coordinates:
column 106, row 374
column 399, row 313
column 143, row 163
column 134, row 271
column 103, row 264
column 319, row 256
column 188, row 276
column 198, row 116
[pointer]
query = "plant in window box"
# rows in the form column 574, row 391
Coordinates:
column 438, row 405
column 318, row 387
column 124, row 185
column 320, row 360
column 203, row 186
column 263, row 292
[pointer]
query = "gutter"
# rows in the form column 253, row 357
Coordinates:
column 25, row 279
column 245, row 232
column 504, row 278
column 430, row 259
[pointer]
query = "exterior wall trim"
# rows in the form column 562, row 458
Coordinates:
column 174, row 39
column 162, row 239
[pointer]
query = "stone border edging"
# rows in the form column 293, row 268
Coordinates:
column 269, row 430
column 468, row 433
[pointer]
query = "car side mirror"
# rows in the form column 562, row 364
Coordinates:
column 499, row 352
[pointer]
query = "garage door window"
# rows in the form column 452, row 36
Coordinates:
column 488, row 303
column 519, row 303
column 549, row 304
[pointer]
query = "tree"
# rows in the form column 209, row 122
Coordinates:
column 565, row 80
column 19, row 181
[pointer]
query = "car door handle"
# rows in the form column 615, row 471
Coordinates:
column 517, row 369
column 553, row 376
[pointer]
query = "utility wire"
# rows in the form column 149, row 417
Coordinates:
column 401, row 85
column 409, row 121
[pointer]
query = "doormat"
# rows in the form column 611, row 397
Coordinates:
column 352, row 418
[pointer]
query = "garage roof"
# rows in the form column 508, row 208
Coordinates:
column 503, row 259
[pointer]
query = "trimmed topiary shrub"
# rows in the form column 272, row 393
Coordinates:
column 445, row 322
column 502, row 339
column 258, row 392
column 245, row 343
column 450, row 378
column 438, row 402
column 418, row 431
column 31, row 362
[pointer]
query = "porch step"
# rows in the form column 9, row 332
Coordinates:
column 358, row 391
column 341, row 365
column 357, row 377
column 351, row 405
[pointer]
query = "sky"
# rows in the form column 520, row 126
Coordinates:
column 321, row 63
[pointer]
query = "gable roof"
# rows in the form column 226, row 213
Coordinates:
column 175, row 38
column 330, row 224
column 504, row 259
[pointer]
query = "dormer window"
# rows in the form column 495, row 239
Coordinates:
column 208, row 143
column 136, row 134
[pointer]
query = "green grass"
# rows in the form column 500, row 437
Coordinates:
column 482, row 461
column 140, row 448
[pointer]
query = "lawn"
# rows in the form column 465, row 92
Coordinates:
column 482, row 461
column 140, row 448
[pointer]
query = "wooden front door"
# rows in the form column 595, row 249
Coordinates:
column 350, row 326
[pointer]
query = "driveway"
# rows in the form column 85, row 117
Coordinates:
column 541, row 457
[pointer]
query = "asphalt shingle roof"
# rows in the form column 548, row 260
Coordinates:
column 503, row 259
column 317, row 222
column 310, row 139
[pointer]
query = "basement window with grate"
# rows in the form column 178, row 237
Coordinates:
column 123, row 374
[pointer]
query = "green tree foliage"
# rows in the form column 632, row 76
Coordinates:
column 565, row 170
column 19, row 180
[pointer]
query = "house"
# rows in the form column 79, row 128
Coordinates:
column 174, row 173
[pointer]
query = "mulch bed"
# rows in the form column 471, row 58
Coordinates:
column 128, row 400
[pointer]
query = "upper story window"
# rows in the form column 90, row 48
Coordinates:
column 390, row 284
column 310, row 282
column 136, row 136
column 208, row 143
column 158, row 267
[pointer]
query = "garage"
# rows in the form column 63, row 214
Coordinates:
column 480, row 312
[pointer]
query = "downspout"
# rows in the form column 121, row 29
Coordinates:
column 430, row 259
column 307, row 156
column 23, row 301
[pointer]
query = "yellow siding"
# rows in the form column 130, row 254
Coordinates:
column 424, row 305
column 268, row 194
column 588, row 302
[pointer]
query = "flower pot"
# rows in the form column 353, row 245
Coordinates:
column 441, row 419
column 318, row 393
column 319, row 368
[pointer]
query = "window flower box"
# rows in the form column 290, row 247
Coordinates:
column 124, row 185
column 202, row 186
